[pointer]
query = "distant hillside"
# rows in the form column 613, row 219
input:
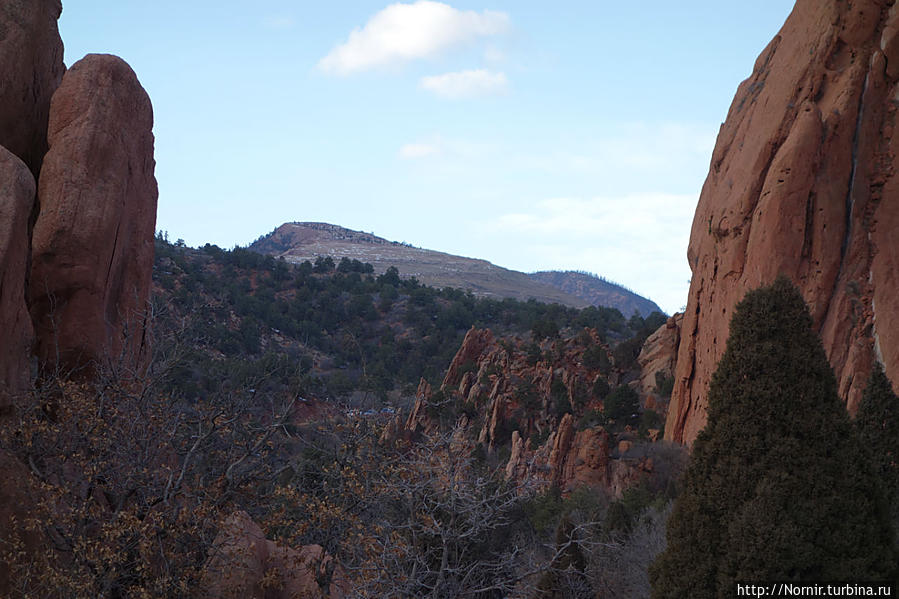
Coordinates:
column 597, row 291
column 246, row 320
column 297, row 242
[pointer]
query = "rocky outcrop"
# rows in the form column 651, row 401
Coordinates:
column 659, row 355
column 474, row 344
column 16, row 201
column 243, row 564
column 418, row 420
column 579, row 458
column 32, row 67
column 544, row 409
column 803, row 182
column 573, row 458
column 93, row 240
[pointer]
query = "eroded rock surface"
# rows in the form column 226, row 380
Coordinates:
column 32, row 67
column 803, row 183
column 93, row 241
column 659, row 355
column 244, row 564
column 16, row 201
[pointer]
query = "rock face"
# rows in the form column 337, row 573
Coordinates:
column 474, row 344
column 659, row 354
column 32, row 67
column 803, row 182
column 418, row 420
column 16, row 201
column 579, row 457
column 244, row 564
column 539, row 406
column 93, row 240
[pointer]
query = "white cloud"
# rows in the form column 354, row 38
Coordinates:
column 419, row 150
column 405, row 32
column 466, row 84
column 639, row 240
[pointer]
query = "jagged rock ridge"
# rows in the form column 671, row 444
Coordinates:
column 803, row 183
column 510, row 398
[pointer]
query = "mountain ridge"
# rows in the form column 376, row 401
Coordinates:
column 300, row 241
column 598, row 291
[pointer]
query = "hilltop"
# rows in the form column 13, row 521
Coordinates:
column 300, row 241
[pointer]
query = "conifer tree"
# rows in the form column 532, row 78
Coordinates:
column 777, row 488
column 877, row 421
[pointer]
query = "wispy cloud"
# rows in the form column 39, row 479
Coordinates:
column 419, row 150
column 403, row 32
column 463, row 85
column 638, row 237
column 636, row 217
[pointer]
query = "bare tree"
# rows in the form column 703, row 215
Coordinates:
column 619, row 568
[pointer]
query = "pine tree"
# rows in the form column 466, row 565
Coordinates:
column 877, row 421
column 777, row 487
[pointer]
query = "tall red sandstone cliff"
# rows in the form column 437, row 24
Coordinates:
column 803, row 182
column 92, row 251
column 16, row 201
column 31, row 66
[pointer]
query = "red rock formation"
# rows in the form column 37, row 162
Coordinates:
column 496, row 415
column 418, row 420
column 582, row 458
column 93, row 240
column 16, row 202
column 242, row 557
column 32, row 67
column 512, row 400
column 516, row 467
column 626, row 473
column 475, row 342
column 803, row 182
column 569, row 459
column 659, row 354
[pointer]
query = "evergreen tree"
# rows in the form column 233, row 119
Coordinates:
column 777, row 487
column 878, row 426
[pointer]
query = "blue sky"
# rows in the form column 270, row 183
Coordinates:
column 536, row 135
